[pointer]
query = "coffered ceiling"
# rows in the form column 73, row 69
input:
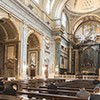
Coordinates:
column 82, row 6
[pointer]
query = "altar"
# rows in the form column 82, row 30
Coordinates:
column 88, row 70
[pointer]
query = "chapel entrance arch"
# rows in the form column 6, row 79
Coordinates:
column 33, row 48
column 8, row 48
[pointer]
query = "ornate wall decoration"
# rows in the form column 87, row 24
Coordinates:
column 88, row 60
column 10, row 67
column 88, row 31
column 10, row 63
column 33, row 41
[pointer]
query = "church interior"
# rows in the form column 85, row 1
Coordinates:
column 44, row 41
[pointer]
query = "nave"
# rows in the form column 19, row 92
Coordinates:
column 49, row 41
column 36, row 89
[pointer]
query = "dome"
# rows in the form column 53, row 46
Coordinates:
column 82, row 6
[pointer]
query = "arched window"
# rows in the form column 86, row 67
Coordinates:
column 63, row 20
column 49, row 6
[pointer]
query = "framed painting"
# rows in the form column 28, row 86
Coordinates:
column 32, row 57
column 10, row 53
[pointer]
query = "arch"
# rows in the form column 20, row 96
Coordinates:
column 33, row 51
column 81, row 20
column 63, row 19
column 33, row 32
column 59, row 7
column 33, row 41
column 8, row 47
column 9, row 30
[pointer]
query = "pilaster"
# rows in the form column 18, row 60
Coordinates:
column 76, row 62
column 57, row 53
column 24, row 52
column 70, row 59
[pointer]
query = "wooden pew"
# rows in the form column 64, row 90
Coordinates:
column 63, row 92
column 50, row 96
column 78, row 84
column 9, row 97
column 38, row 82
column 65, row 88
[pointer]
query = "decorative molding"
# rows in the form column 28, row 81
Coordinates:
column 22, row 13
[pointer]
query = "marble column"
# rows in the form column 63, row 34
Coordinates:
column 23, row 69
column 42, row 55
column 57, row 54
column 76, row 61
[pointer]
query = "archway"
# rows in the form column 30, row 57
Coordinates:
column 8, row 48
column 33, row 48
column 86, row 38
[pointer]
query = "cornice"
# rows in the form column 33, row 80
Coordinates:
column 21, row 12
column 66, row 39
column 57, row 31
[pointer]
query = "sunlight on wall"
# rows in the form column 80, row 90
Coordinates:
column 49, row 6
column 63, row 19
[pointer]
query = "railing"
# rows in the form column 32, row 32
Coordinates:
column 72, row 77
column 89, row 77
column 68, row 77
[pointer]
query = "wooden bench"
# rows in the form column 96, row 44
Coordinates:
column 78, row 84
column 58, row 91
column 8, row 97
column 50, row 96
column 38, row 82
column 65, row 88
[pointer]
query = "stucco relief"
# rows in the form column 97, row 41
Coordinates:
column 90, row 31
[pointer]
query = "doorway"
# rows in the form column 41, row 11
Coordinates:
column 8, row 48
column 33, row 55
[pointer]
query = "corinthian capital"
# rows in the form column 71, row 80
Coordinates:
column 57, row 38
